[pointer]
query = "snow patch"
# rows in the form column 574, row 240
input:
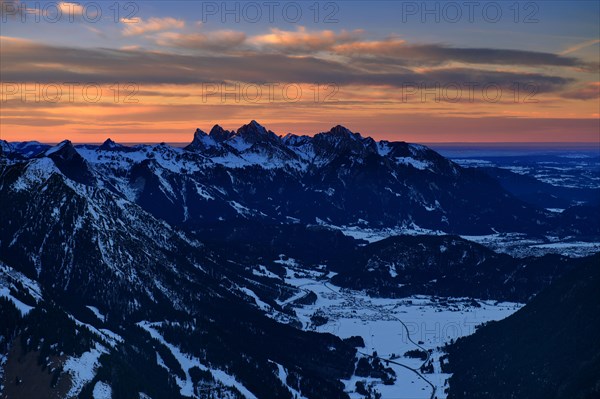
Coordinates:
column 24, row 309
column 37, row 172
column 97, row 313
column 83, row 369
column 102, row 391
column 415, row 163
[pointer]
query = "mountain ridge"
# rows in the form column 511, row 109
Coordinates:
column 338, row 176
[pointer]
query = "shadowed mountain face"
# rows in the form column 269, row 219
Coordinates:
column 77, row 243
column 447, row 266
column 549, row 349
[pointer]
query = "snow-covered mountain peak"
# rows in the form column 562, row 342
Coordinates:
column 68, row 160
column 64, row 148
column 201, row 141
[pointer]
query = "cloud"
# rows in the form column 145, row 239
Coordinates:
column 580, row 46
column 216, row 40
column 589, row 91
column 387, row 47
column 303, row 40
column 71, row 9
column 137, row 26
column 23, row 61
column 132, row 47
column 398, row 51
column 385, row 54
column 36, row 121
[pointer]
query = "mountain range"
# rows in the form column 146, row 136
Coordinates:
column 156, row 271
column 334, row 178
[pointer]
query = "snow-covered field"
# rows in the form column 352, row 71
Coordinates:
column 429, row 322
column 515, row 244
column 519, row 245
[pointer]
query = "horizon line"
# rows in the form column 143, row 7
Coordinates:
column 175, row 143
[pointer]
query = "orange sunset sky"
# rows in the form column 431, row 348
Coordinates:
column 158, row 71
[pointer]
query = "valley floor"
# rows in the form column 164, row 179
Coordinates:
column 391, row 327
column 515, row 244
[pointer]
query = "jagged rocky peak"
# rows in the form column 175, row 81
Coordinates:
column 64, row 150
column 254, row 131
column 219, row 134
column 342, row 140
column 70, row 162
column 201, row 141
column 342, row 131
column 108, row 145
column 253, row 126
column 199, row 136
column 199, row 133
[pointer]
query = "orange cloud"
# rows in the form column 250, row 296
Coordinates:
column 137, row 26
column 304, row 40
column 388, row 47
column 70, row 9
